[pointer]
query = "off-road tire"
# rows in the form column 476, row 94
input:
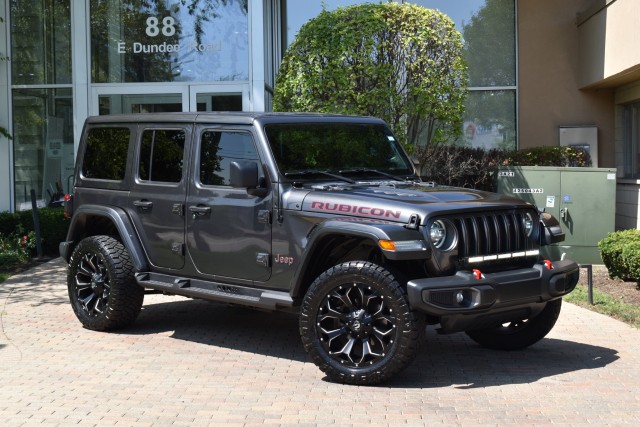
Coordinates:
column 356, row 324
column 103, row 293
column 519, row 334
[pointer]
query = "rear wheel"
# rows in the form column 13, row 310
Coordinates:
column 102, row 290
column 356, row 324
column 519, row 334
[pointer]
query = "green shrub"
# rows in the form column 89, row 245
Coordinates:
column 550, row 156
column 53, row 226
column 468, row 167
column 17, row 247
column 620, row 252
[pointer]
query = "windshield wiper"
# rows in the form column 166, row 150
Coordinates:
column 308, row 172
column 365, row 171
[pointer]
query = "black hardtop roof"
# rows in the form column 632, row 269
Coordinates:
column 247, row 118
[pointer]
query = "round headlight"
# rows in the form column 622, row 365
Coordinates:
column 528, row 223
column 438, row 233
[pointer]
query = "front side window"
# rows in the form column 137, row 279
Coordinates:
column 161, row 155
column 103, row 144
column 218, row 149
column 165, row 41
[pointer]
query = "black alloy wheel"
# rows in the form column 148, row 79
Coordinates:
column 356, row 324
column 102, row 290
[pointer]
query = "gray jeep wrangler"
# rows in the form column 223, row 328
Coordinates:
column 320, row 214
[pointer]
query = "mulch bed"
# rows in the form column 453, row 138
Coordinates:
column 628, row 292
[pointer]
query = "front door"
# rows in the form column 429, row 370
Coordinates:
column 228, row 230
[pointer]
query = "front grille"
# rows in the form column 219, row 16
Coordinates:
column 491, row 233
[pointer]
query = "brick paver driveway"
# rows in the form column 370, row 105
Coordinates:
column 197, row 363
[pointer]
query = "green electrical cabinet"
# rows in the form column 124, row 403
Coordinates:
column 582, row 199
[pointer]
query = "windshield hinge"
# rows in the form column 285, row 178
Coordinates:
column 414, row 222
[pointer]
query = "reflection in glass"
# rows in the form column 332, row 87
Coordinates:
column 490, row 119
column 171, row 40
column 488, row 29
column 106, row 143
column 219, row 102
column 490, row 45
column 40, row 42
column 138, row 103
column 42, row 143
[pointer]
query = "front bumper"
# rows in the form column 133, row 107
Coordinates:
column 472, row 300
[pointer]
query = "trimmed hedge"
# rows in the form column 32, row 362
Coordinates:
column 477, row 168
column 620, row 252
column 53, row 226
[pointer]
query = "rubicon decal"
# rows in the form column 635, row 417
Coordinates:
column 355, row 209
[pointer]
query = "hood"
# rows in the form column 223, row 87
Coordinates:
column 398, row 202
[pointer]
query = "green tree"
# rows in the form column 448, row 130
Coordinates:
column 400, row 62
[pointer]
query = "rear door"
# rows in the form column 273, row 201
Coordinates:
column 228, row 230
column 158, row 192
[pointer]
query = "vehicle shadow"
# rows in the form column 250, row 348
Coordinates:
column 443, row 361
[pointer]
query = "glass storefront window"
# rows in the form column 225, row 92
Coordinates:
column 41, row 99
column 143, row 103
column 490, row 119
column 43, row 144
column 488, row 30
column 40, row 42
column 169, row 41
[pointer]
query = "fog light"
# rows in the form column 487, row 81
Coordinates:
column 459, row 298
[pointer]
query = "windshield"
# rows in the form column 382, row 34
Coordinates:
column 353, row 150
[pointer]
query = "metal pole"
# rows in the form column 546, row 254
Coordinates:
column 589, row 268
column 36, row 223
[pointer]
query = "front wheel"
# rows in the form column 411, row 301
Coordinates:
column 518, row 334
column 102, row 290
column 356, row 324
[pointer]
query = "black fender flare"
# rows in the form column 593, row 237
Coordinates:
column 122, row 223
column 370, row 230
column 550, row 230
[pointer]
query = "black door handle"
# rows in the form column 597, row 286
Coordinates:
column 143, row 204
column 200, row 210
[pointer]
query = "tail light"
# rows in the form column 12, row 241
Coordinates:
column 68, row 206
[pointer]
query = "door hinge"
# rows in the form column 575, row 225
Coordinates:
column 178, row 209
column 263, row 259
column 264, row 217
column 177, row 248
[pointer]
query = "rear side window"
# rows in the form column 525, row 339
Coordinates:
column 218, row 149
column 105, row 156
column 161, row 155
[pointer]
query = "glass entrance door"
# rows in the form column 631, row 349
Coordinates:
column 125, row 104
column 231, row 97
column 162, row 99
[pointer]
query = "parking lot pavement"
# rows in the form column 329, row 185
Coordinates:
column 190, row 362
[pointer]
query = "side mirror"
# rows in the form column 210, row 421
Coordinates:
column 244, row 174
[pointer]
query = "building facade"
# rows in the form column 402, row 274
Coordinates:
column 535, row 68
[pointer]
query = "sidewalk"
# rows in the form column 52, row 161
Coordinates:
column 187, row 362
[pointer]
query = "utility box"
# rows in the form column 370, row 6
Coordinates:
column 583, row 137
column 582, row 199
